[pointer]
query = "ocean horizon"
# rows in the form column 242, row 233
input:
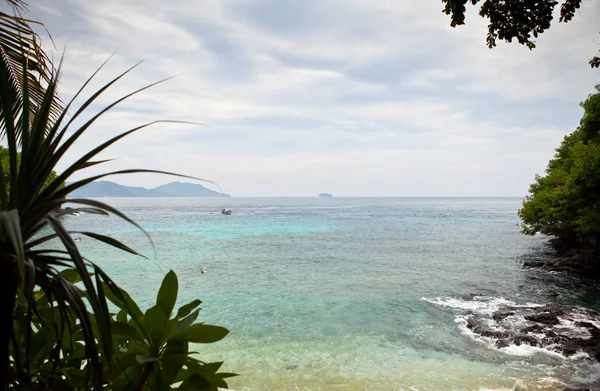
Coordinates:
column 349, row 293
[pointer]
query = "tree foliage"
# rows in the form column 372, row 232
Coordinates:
column 5, row 163
column 566, row 201
column 523, row 20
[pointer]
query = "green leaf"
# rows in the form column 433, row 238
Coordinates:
column 197, row 382
column 207, row 373
column 170, row 329
column 167, row 294
column 202, row 333
column 186, row 309
column 187, row 321
column 122, row 316
column 126, row 330
column 121, row 299
column 155, row 321
column 172, row 364
column 11, row 227
column 213, row 366
column 142, row 359
column 71, row 275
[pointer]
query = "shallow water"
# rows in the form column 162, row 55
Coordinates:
column 347, row 293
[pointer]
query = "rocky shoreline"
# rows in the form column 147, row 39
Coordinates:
column 569, row 331
column 582, row 261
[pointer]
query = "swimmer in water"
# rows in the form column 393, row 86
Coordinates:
column 203, row 270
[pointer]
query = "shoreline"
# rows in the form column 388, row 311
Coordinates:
column 569, row 258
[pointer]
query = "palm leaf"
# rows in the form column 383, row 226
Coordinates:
column 19, row 45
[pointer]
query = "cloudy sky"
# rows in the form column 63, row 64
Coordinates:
column 351, row 97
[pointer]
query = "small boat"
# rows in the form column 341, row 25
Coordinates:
column 226, row 211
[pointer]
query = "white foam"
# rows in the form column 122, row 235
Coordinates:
column 480, row 304
column 525, row 350
column 580, row 356
column 589, row 374
column 486, row 306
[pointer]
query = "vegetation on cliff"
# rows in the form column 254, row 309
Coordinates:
column 565, row 202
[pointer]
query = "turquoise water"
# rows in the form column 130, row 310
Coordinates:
column 347, row 293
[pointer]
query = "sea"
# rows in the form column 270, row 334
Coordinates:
column 348, row 293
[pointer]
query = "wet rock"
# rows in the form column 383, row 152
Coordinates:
column 505, row 327
column 568, row 350
column 470, row 296
column 587, row 325
column 502, row 343
column 554, row 309
column 534, row 264
column 474, row 323
column 523, row 338
column 569, row 259
column 499, row 315
column 544, row 318
column 487, row 332
column 536, row 328
column 575, row 389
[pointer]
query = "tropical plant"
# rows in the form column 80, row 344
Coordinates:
column 56, row 330
column 153, row 348
column 19, row 45
column 150, row 350
column 565, row 202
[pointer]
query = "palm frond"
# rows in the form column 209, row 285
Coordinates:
column 19, row 45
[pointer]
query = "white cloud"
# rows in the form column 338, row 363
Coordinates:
column 364, row 98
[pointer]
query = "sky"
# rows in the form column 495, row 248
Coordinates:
column 298, row 97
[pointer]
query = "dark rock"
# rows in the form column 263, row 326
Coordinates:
column 487, row 332
column 534, row 264
column 587, row 325
column 568, row 350
column 523, row 338
column 570, row 258
column 551, row 334
column 575, row 389
column 555, row 309
column 474, row 323
column 544, row 317
column 499, row 315
column 536, row 328
column 502, row 343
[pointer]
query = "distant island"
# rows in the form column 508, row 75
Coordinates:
column 173, row 189
column 325, row 195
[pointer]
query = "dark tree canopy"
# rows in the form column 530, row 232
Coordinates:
column 523, row 20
